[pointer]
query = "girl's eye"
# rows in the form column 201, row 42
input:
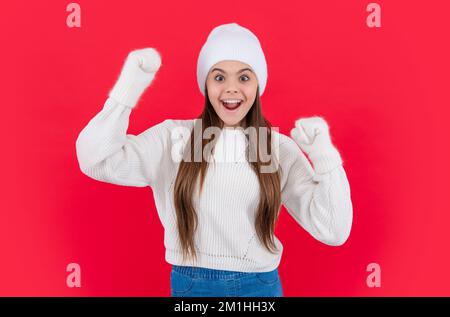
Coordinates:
column 248, row 78
column 217, row 77
column 243, row 76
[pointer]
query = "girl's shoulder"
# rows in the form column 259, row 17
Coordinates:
column 287, row 150
column 169, row 126
column 283, row 141
column 173, row 123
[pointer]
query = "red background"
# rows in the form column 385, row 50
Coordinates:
column 383, row 91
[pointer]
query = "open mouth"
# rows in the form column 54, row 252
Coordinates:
column 231, row 104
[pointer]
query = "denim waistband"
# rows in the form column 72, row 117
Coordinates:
column 202, row 272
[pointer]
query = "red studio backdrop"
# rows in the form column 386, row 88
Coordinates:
column 383, row 91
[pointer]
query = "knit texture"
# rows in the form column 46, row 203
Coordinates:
column 225, row 238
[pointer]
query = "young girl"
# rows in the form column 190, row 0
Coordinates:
column 219, row 200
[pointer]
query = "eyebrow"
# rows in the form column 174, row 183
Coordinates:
column 221, row 70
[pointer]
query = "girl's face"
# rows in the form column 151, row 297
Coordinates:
column 231, row 81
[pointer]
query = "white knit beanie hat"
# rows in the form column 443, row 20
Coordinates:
column 231, row 42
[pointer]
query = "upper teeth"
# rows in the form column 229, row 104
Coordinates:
column 231, row 101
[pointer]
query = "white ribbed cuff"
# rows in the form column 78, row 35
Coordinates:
column 326, row 161
column 128, row 89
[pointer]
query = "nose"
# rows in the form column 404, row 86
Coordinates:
column 232, row 86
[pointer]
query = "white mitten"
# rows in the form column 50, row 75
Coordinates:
column 137, row 74
column 313, row 137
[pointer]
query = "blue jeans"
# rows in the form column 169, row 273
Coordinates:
column 188, row 281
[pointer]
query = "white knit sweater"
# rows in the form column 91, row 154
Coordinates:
column 226, row 237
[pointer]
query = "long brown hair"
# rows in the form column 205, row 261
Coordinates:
column 189, row 170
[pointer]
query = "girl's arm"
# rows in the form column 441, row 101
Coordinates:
column 105, row 152
column 318, row 199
